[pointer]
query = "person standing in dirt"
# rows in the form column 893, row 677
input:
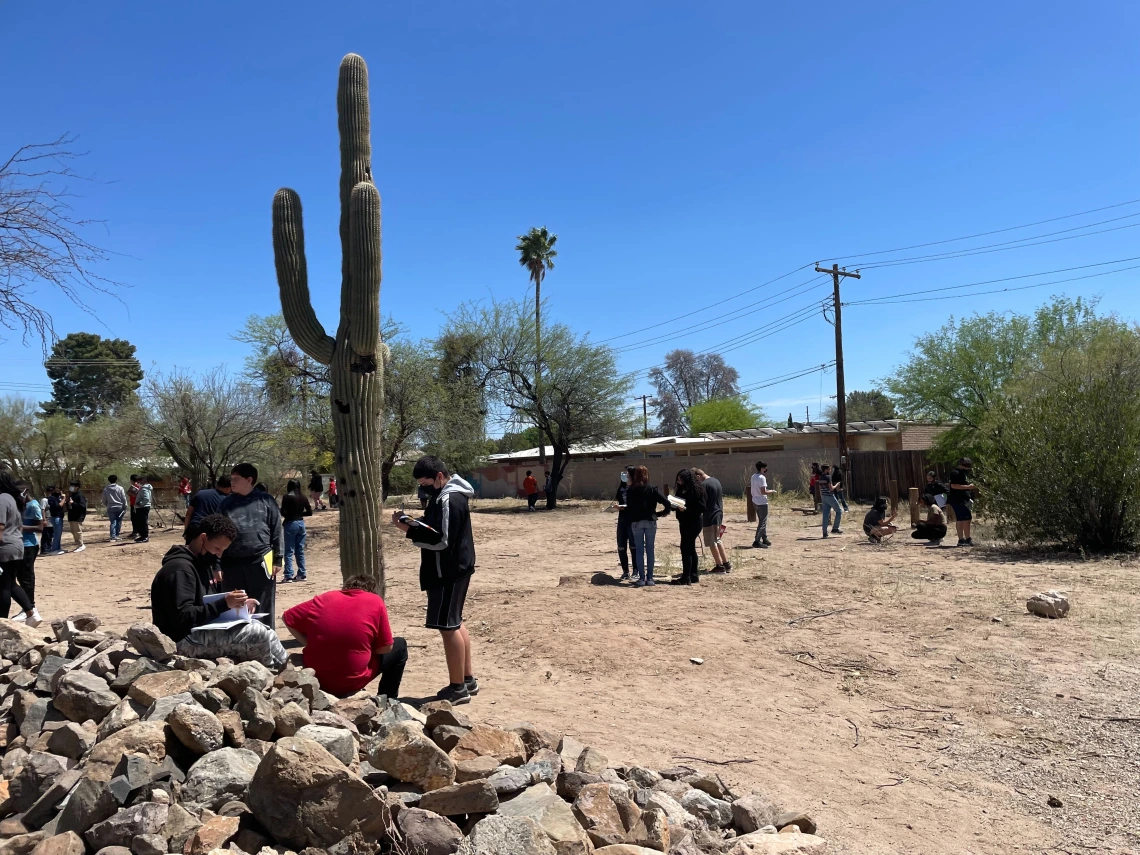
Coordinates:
column 316, row 487
column 144, row 501
column 961, row 498
column 530, row 488
column 206, row 502
column 690, row 521
column 620, row 504
column 294, row 508
column 641, row 507
column 813, row 486
column 759, row 494
column 26, row 578
column 115, row 501
column 447, row 562
column 827, row 501
column 12, row 504
column 76, row 514
column 334, row 497
column 132, row 495
column 184, row 491
column 714, row 519
column 55, row 512
column 260, row 536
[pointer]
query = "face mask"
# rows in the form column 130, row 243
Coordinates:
column 72, row 489
column 433, row 490
column 625, row 477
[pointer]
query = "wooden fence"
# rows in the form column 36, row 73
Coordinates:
column 873, row 471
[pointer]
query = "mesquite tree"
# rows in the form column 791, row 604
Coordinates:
column 356, row 355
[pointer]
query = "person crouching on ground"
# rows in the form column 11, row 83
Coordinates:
column 348, row 640
column 179, row 609
column 690, row 520
column 933, row 528
column 447, row 561
column 714, row 519
column 877, row 525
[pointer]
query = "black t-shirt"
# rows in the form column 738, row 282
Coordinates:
column 873, row 518
column 294, row 506
column 714, row 502
column 203, row 503
column 960, row 497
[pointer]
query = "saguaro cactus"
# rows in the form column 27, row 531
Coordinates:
column 356, row 355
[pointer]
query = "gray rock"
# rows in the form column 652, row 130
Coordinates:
column 509, row 780
column 72, row 740
column 123, row 715
column 643, row 777
column 211, row 698
column 502, row 835
column 131, row 669
column 48, row 667
column 592, row 761
column 149, row 641
column 716, row 812
column 13, row 760
column 221, row 776
column 161, row 709
column 337, row 741
column 60, row 844
column 543, row 805
column 475, row 768
column 753, row 812
column 81, row 696
column 466, row 798
column 447, row 736
column 711, row 783
column 90, row 803
column 428, row 833
column 149, row 844
column 544, row 764
column 34, row 719
column 1048, row 604
column 673, row 810
column 126, row 825
column 197, row 728
column 33, row 779
column 442, row 713
column 45, row 806
column 796, row 817
column 407, row 755
column 257, row 711
column 287, row 720
column 180, row 826
column 330, row 719
column 570, row 783
column 248, row 675
column 17, row 639
column 535, row 738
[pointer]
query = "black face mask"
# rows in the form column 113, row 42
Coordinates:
column 433, row 490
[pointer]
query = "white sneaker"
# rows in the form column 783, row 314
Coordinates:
column 34, row 619
column 80, row 548
column 21, row 617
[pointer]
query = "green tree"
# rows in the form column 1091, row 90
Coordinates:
column 583, row 395
column 864, row 407
column 513, row 441
column 537, row 253
column 686, row 379
column 735, row 413
column 91, row 376
column 957, row 373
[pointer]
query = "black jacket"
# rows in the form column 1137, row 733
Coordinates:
column 259, row 527
column 77, row 507
column 448, row 550
column 294, row 506
column 176, row 593
column 693, row 516
column 642, row 501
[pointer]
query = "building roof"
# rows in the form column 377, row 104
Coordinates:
column 875, row 426
column 617, row 446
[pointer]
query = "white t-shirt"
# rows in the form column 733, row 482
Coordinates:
column 759, row 485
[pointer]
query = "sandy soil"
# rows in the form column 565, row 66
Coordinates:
column 930, row 715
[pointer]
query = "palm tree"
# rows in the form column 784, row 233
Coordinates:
column 537, row 253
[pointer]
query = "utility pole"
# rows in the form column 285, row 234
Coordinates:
column 644, row 414
column 840, row 388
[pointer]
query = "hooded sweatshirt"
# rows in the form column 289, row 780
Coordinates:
column 259, row 526
column 114, row 498
column 447, row 548
column 176, row 593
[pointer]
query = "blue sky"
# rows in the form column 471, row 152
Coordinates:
column 683, row 153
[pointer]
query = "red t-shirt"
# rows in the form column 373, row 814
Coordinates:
column 530, row 486
column 342, row 630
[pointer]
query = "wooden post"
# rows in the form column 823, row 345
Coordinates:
column 915, row 506
column 751, row 507
column 894, row 497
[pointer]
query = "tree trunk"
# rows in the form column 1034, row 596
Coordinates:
column 538, row 363
column 561, row 460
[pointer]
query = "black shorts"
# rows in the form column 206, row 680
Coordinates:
column 961, row 512
column 445, row 604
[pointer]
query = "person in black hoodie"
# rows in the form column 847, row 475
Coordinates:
column 691, row 520
column 641, row 501
column 260, row 537
column 447, row 560
column 623, row 531
column 179, row 608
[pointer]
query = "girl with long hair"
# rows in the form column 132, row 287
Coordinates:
column 12, row 503
column 294, row 508
column 690, row 520
column 641, row 502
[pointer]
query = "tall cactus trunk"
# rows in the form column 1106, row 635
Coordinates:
column 356, row 356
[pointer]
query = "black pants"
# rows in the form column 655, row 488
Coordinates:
column 134, row 521
column 625, row 548
column 45, row 539
column 248, row 574
column 531, row 500
column 690, row 566
column 26, row 578
column 392, row 665
column 9, row 590
column 927, row 531
column 140, row 522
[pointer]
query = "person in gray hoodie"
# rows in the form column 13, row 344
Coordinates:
column 144, row 501
column 260, row 537
column 115, row 501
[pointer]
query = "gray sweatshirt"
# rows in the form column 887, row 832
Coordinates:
column 259, row 526
column 114, row 498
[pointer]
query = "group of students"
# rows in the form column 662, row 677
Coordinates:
column 936, row 496
column 697, row 500
column 224, row 563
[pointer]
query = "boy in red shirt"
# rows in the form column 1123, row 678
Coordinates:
column 348, row 641
column 530, row 487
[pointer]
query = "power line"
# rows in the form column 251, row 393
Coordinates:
column 776, row 381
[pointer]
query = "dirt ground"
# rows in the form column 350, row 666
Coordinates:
column 929, row 714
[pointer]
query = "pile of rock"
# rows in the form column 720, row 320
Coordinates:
column 115, row 745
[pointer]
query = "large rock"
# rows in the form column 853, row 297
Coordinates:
column 468, row 797
column 651, row 831
column 180, row 825
column 22, row 844
column 197, row 728
column 72, row 740
column 144, row 737
column 17, row 638
column 753, row 812
column 593, row 761
column 447, row 736
column 212, row 834
column 1048, row 604
column 232, row 727
column 68, row 843
column 503, row 835
column 797, row 818
column 161, row 709
column 289, row 719
column 407, row 755
column 219, row 777
column 570, row 749
column 759, row 843
column 475, row 768
column 130, row 670
column 556, row 818
column 535, row 738
column 486, row 741
column 508, row 780
column 90, row 803
column 124, row 715
column 672, row 809
column 717, row 813
column 306, row 797
column 81, row 696
column 126, row 825
column 626, row 849
column 428, row 833
column 33, row 780
column 336, row 741
column 149, row 641
column 544, row 764
column 236, row 679
column 150, row 687
column 606, row 812
column 48, row 667
column 258, row 713
column 38, row 815
column 570, row 784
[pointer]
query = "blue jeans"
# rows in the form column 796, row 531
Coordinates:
column 839, row 494
column 643, row 534
column 828, row 504
column 116, row 518
column 295, row 545
column 57, row 534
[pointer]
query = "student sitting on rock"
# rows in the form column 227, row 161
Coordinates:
column 179, row 608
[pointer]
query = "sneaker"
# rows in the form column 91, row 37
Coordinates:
column 680, row 580
column 969, row 541
column 472, row 685
column 21, row 617
column 836, row 531
column 285, row 580
column 34, row 619
column 301, row 578
column 140, row 540
column 962, row 541
column 728, row 567
column 757, row 544
column 825, row 534
column 719, row 568
column 80, row 548
column 454, row 694
column 650, row 584
column 763, row 545
column 640, row 583
column 624, row 577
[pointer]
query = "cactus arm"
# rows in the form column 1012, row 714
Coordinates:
column 362, row 296
column 355, row 146
column 293, row 278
